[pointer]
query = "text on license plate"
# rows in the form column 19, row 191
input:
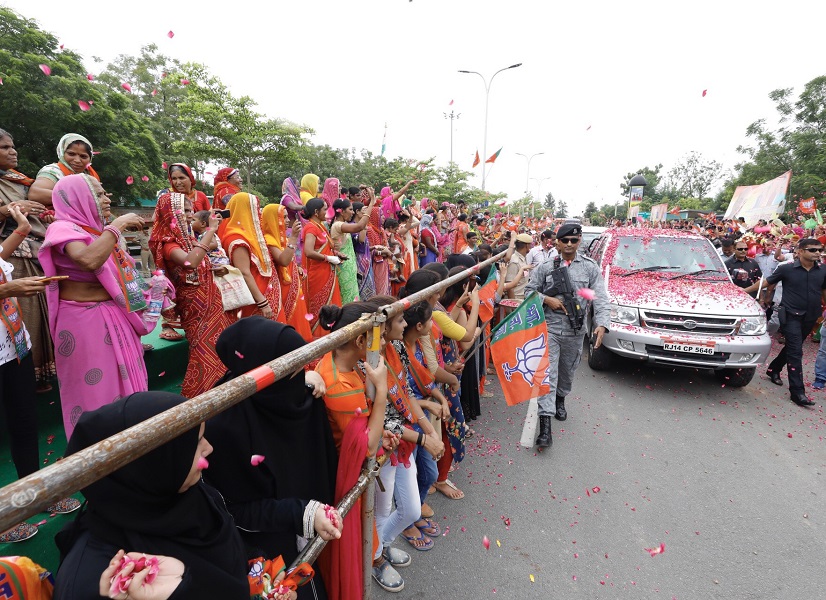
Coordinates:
column 689, row 348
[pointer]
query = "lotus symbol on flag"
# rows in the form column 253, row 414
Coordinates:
column 528, row 358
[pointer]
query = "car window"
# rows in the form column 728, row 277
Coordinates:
column 676, row 253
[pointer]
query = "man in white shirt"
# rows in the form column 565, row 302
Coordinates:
column 545, row 251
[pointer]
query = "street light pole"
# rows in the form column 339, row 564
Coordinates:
column 539, row 186
column 451, row 116
column 528, row 174
column 487, row 98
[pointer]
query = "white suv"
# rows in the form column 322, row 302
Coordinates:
column 673, row 303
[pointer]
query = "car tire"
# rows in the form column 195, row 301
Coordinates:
column 599, row 359
column 735, row 377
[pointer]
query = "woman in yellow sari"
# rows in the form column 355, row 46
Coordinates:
column 282, row 250
column 243, row 239
column 309, row 187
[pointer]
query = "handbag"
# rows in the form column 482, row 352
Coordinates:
column 234, row 291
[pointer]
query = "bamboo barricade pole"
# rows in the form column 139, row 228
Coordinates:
column 32, row 494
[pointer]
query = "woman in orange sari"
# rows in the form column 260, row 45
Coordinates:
column 243, row 239
column 185, row 262
column 319, row 263
column 227, row 183
column 282, row 250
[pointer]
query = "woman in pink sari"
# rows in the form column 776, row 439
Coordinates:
column 96, row 314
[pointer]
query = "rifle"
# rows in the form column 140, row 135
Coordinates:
column 560, row 285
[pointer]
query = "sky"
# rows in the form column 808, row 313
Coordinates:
column 605, row 88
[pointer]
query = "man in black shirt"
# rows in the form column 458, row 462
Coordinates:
column 804, row 285
column 745, row 272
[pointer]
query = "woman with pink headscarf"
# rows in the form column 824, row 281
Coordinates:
column 390, row 205
column 331, row 193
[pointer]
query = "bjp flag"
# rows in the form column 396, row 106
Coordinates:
column 519, row 347
column 486, row 296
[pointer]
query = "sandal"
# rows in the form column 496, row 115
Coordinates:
column 19, row 533
column 453, row 493
column 170, row 335
column 430, row 527
column 64, row 507
column 421, row 542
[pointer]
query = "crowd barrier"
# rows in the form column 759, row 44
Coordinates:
column 32, row 494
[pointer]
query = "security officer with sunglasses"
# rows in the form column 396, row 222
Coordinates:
column 565, row 314
column 804, row 291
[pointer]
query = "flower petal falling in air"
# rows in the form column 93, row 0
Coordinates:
column 256, row 459
column 47, row 70
column 84, row 106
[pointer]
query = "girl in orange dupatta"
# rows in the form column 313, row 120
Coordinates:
column 227, row 183
column 243, row 239
column 198, row 300
column 282, row 250
column 319, row 263
column 358, row 430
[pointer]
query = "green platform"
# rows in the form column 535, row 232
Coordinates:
column 165, row 366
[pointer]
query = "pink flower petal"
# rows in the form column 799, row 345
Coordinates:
column 171, row 34
column 309, row 316
column 144, row 178
column 162, row 373
column 47, row 70
column 84, row 106
column 656, row 551
column 184, row 81
column 239, row 355
column 1, row 81
column 256, row 459
column 61, row 46
column 164, row 166
column 486, row 543
column 586, row 293
column 130, row 180
column 358, row 411
column 789, row 434
column 595, row 489
column 126, row 87
column 187, row 263
column 203, row 463
column 155, row 92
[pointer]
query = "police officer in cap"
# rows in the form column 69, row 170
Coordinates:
column 565, row 314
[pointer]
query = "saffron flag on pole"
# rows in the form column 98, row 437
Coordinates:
column 674, row 211
column 494, row 156
column 486, row 296
column 476, row 160
column 519, row 347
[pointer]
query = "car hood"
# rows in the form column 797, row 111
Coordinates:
column 656, row 292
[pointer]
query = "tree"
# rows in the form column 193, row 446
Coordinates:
column 562, row 211
column 550, row 203
column 38, row 110
column 227, row 129
column 590, row 210
column 694, row 176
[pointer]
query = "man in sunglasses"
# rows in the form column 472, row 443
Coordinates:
column 744, row 271
column 804, row 289
column 565, row 333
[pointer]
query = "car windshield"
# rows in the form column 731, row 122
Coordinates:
column 669, row 254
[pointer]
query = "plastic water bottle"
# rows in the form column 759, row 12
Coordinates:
column 157, row 288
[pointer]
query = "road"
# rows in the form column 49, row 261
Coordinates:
column 730, row 480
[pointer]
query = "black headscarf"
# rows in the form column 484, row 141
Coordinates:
column 138, row 507
column 283, row 422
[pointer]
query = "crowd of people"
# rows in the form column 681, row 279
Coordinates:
column 246, row 284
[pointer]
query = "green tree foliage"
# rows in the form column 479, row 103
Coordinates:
column 796, row 142
column 694, row 176
column 38, row 110
column 550, row 203
column 561, row 210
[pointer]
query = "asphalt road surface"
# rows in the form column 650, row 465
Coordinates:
column 730, row 480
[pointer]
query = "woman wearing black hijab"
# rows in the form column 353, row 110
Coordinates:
column 281, row 497
column 156, row 504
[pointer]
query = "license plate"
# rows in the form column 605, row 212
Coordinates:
column 688, row 348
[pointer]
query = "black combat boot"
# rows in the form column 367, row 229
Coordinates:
column 544, row 440
column 561, row 413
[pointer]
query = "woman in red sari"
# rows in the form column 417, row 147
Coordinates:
column 183, row 182
column 184, row 261
column 319, row 263
column 377, row 239
column 282, row 250
column 227, row 183
column 243, row 239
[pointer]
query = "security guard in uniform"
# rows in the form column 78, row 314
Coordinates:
column 565, row 314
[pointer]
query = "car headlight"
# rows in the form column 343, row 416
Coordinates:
column 753, row 325
column 625, row 315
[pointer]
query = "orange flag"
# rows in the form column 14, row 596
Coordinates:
column 519, row 347
column 476, row 160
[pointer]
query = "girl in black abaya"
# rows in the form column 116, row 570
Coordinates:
column 282, row 496
column 156, row 504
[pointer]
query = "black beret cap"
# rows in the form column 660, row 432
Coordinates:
column 567, row 229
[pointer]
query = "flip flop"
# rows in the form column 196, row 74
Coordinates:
column 430, row 528
column 412, row 539
column 456, row 494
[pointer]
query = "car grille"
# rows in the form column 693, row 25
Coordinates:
column 657, row 352
column 676, row 323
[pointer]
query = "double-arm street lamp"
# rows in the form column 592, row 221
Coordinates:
column 487, row 83
column 528, row 174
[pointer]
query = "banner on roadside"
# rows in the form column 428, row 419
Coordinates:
column 659, row 212
column 755, row 202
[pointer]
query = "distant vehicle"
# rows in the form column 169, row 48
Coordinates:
column 589, row 234
column 673, row 304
